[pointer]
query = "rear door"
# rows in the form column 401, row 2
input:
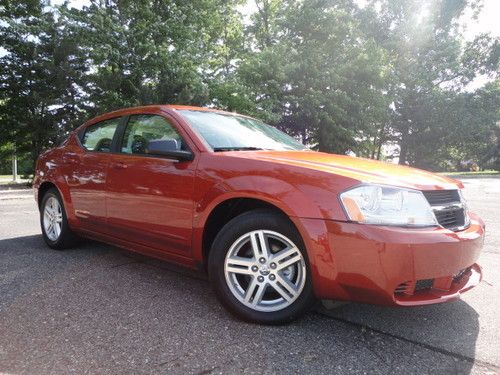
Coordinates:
column 87, row 173
column 149, row 198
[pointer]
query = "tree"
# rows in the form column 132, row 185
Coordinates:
column 40, row 78
column 316, row 73
column 340, row 76
column 477, row 133
column 431, row 66
column 144, row 52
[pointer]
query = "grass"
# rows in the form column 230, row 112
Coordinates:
column 6, row 181
column 487, row 173
column 9, row 177
column 474, row 173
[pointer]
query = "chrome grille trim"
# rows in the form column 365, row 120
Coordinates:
column 448, row 208
column 441, row 197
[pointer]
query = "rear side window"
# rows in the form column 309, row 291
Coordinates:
column 98, row 137
column 143, row 129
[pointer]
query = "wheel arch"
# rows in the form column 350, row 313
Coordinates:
column 249, row 192
column 226, row 210
column 42, row 190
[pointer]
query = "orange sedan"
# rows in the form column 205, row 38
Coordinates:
column 274, row 224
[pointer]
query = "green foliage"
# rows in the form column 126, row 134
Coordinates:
column 144, row 52
column 41, row 76
column 316, row 73
column 385, row 80
column 432, row 119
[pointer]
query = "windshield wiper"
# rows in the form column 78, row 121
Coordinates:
column 219, row 149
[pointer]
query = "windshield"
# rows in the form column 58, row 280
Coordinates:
column 225, row 132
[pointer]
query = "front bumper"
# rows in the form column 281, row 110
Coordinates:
column 392, row 265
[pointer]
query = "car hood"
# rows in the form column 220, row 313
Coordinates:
column 362, row 170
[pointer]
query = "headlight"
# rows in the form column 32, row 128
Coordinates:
column 372, row 204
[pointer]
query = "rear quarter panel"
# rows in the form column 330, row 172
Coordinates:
column 52, row 167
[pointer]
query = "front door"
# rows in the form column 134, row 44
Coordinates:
column 150, row 198
column 86, row 174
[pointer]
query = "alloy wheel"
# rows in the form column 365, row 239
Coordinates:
column 52, row 219
column 265, row 270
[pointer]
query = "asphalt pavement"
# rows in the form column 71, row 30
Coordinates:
column 98, row 309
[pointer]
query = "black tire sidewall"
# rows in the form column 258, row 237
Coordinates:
column 235, row 228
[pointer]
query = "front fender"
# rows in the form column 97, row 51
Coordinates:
column 293, row 202
column 279, row 193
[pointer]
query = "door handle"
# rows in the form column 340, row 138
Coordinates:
column 120, row 166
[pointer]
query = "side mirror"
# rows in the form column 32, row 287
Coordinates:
column 168, row 148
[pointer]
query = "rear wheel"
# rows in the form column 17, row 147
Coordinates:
column 54, row 223
column 258, row 268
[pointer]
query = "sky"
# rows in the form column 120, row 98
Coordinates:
column 488, row 20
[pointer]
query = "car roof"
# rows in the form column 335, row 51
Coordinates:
column 166, row 107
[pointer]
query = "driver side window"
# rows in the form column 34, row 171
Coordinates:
column 98, row 137
column 142, row 130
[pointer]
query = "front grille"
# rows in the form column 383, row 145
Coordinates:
column 451, row 218
column 412, row 287
column 448, row 208
column 403, row 288
column 458, row 276
column 441, row 197
column 423, row 284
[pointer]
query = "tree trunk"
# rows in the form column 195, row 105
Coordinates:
column 403, row 147
column 379, row 149
column 14, row 168
column 372, row 151
column 402, row 152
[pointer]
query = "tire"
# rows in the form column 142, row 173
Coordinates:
column 54, row 223
column 259, row 270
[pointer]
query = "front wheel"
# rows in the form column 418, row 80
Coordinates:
column 259, row 269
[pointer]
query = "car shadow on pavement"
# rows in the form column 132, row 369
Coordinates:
column 100, row 309
column 450, row 328
column 27, row 262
